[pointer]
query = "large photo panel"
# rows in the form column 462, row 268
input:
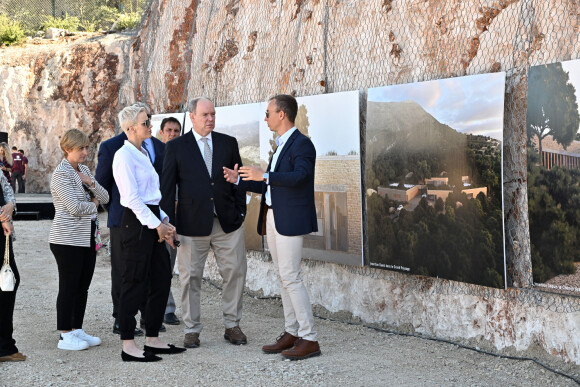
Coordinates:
column 331, row 121
column 553, row 152
column 434, row 178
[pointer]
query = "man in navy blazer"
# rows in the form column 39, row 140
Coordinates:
column 288, row 213
column 210, row 215
column 104, row 175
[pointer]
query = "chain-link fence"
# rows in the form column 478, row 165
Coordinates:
column 90, row 15
column 244, row 51
column 240, row 52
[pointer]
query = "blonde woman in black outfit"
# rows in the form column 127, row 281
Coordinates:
column 144, row 229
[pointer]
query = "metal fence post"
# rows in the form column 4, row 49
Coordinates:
column 54, row 8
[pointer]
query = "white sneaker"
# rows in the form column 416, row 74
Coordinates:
column 71, row 342
column 92, row 340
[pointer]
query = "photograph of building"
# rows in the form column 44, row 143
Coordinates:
column 433, row 178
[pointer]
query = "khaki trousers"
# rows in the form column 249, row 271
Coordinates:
column 230, row 255
column 287, row 254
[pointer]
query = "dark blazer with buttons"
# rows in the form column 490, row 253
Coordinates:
column 104, row 173
column 185, row 168
column 292, row 188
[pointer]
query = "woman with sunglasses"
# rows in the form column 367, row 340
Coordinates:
column 146, row 273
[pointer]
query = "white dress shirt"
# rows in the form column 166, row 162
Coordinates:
column 280, row 141
column 138, row 183
column 200, row 143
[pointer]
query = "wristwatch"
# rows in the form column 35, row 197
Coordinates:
column 265, row 176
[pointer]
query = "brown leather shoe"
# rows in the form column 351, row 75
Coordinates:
column 14, row 357
column 191, row 340
column 302, row 349
column 284, row 341
column 235, row 336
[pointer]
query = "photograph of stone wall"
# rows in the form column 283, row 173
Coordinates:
column 434, row 178
column 331, row 121
column 554, row 174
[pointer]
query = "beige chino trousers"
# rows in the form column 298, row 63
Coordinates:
column 230, row 255
column 287, row 254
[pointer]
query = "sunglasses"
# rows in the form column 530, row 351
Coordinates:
column 146, row 123
column 268, row 113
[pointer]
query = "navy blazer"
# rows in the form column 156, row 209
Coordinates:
column 185, row 168
column 104, row 173
column 292, row 188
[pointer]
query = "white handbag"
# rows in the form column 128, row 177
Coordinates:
column 7, row 278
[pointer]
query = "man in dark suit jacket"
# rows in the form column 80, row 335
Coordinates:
column 104, row 175
column 210, row 214
column 288, row 213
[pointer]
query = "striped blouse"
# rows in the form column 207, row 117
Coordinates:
column 72, row 210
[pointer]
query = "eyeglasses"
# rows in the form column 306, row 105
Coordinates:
column 268, row 113
column 146, row 123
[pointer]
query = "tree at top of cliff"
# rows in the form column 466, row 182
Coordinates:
column 301, row 121
column 552, row 105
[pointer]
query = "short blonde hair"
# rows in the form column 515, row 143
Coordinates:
column 128, row 116
column 73, row 139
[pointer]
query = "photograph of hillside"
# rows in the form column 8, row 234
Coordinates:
column 434, row 179
column 553, row 152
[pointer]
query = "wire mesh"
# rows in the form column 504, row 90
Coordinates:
column 93, row 14
column 245, row 51
column 240, row 52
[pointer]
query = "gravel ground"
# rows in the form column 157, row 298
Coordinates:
column 351, row 355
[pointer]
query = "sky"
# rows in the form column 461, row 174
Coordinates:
column 573, row 69
column 334, row 123
column 472, row 104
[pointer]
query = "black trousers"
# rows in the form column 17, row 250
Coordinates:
column 76, row 266
column 7, row 299
column 146, row 276
column 21, row 182
column 117, row 270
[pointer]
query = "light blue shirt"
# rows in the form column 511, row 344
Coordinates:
column 150, row 148
column 280, row 141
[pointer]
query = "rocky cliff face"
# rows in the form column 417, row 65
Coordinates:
column 236, row 51
column 45, row 91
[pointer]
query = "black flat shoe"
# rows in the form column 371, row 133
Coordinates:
column 148, row 357
column 172, row 350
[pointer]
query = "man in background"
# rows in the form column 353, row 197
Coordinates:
column 19, row 169
column 170, row 129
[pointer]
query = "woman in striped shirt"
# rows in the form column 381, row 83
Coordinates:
column 76, row 196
